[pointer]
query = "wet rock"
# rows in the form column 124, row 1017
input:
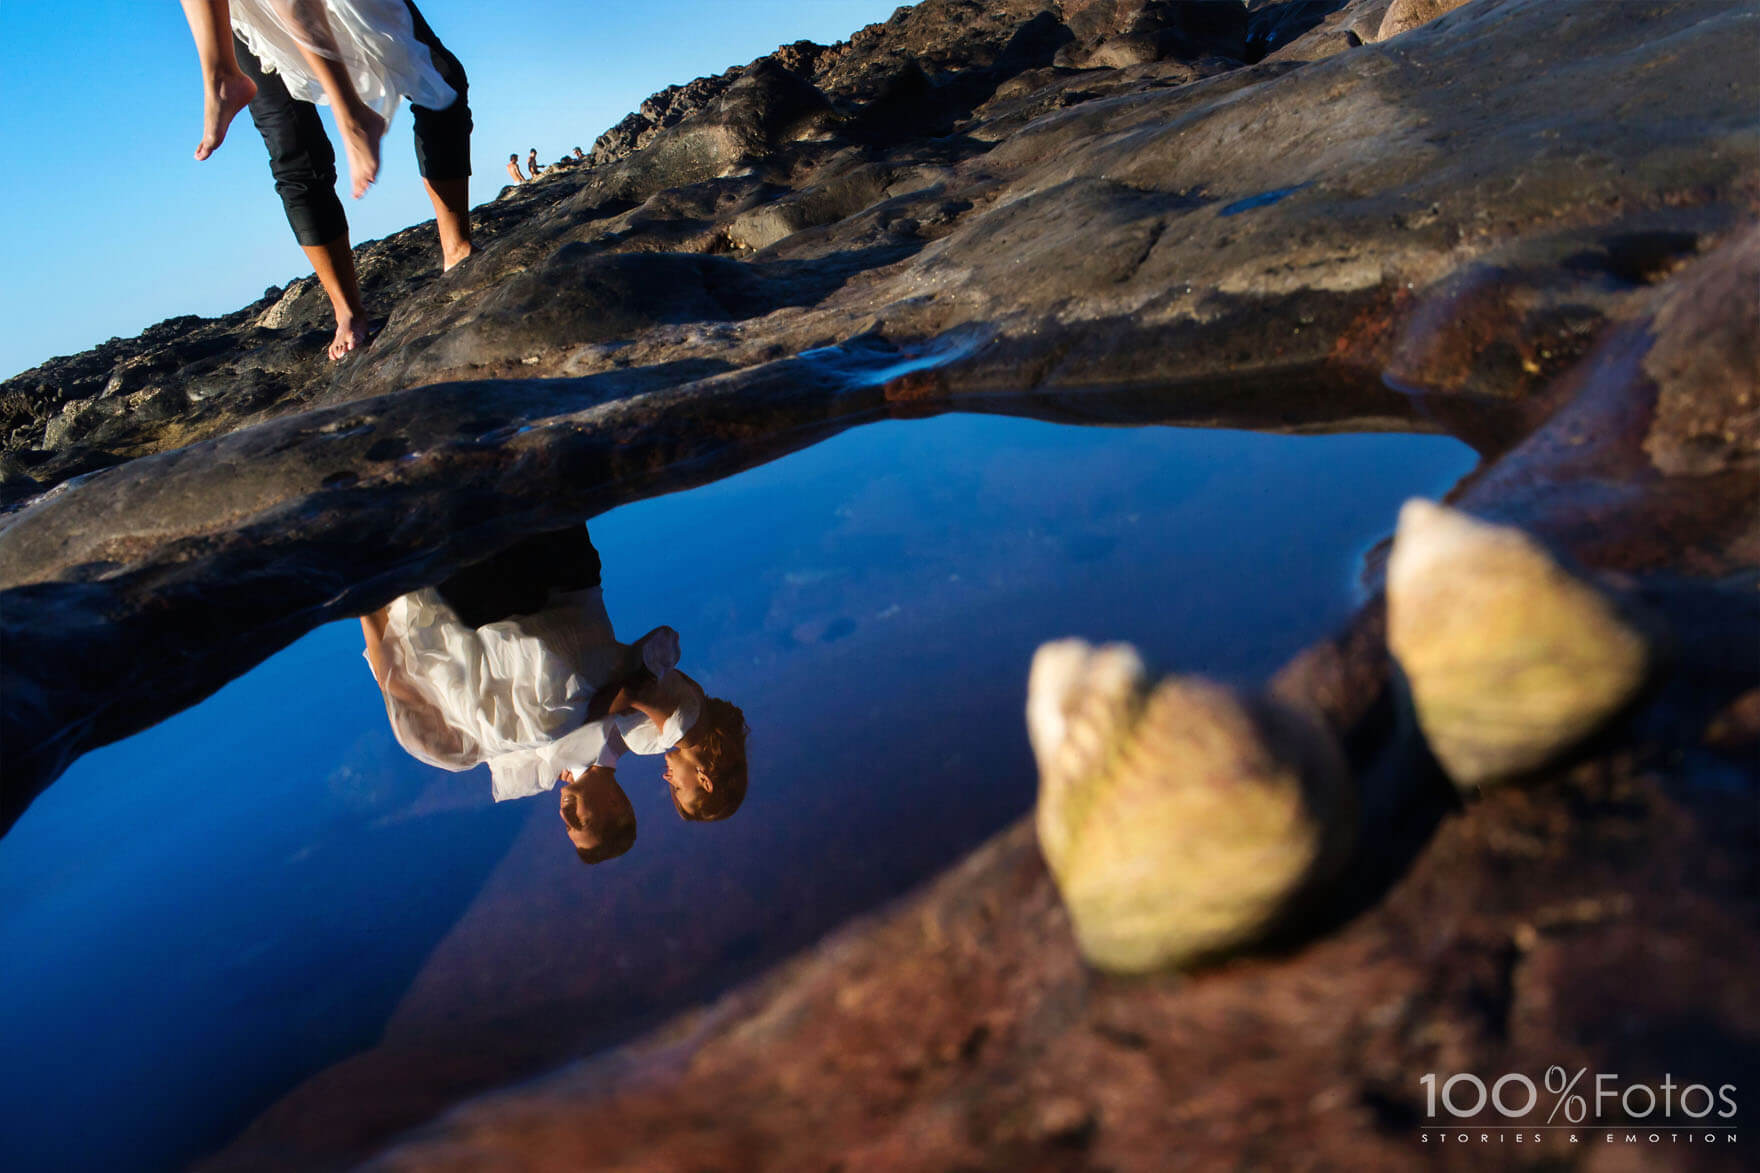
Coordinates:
column 1606, row 474
column 1180, row 820
column 1706, row 366
column 1511, row 658
column 1597, row 920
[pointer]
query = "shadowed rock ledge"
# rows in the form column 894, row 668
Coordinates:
column 1525, row 223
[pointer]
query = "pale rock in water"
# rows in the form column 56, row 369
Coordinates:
column 1180, row 821
column 1511, row 658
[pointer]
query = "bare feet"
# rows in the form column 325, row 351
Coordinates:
column 452, row 218
column 225, row 96
column 351, row 334
column 361, row 132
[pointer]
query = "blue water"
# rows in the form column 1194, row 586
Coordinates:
column 263, row 889
column 1263, row 200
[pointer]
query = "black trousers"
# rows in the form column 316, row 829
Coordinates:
column 304, row 163
column 519, row 579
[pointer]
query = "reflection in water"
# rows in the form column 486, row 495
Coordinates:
column 287, row 938
column 513, row 662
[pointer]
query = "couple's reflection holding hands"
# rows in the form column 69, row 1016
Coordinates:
column 513, row 662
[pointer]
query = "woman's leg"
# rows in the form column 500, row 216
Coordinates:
column 360, row 124
column 225, row 88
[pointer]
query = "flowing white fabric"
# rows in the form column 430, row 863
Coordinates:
column 375, row 42
column 514, row 693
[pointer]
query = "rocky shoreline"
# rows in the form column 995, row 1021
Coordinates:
column 1528, row 224
column 1598, row 916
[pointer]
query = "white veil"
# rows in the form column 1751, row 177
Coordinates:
column 375, row 41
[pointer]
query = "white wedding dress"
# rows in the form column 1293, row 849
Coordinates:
column 514, row 693
column 375, row 41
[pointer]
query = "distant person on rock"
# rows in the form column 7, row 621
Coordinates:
column 513, row 169
column 532, row 164
column 279, row 57
column 579, row 154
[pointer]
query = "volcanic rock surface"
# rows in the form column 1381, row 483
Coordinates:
column 1525, row 222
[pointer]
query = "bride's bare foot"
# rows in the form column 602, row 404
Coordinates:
column 361, row 133
column 351, row 334
column 225, row 96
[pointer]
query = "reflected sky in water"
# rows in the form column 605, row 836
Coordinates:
column 263, row 910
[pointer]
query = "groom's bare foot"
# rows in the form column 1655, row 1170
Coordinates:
column 224, row 97
column 352, row 333
column 361, row 133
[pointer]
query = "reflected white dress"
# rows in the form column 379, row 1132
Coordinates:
column 377, row 44
column 514, row 693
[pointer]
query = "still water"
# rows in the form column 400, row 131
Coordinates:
column 261, row 926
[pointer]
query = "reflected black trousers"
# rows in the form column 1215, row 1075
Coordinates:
column 304, row 163
column 520, row 579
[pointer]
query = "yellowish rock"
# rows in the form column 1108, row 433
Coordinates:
column 1180, row 821
column 1511, row 658
column 1404, row 15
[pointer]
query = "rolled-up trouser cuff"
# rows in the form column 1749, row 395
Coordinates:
column 315, row 219
column 300, row 155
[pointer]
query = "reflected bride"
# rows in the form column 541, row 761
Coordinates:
column 513, row 662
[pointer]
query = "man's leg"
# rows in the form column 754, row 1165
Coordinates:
column 443, row 149
column 304, row 166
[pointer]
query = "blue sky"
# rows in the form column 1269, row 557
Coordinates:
column 114, row 226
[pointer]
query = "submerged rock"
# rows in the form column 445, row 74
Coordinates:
column 1511, row 658
column 1181, row 821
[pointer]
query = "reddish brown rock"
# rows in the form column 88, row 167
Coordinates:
column 1706, row 367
